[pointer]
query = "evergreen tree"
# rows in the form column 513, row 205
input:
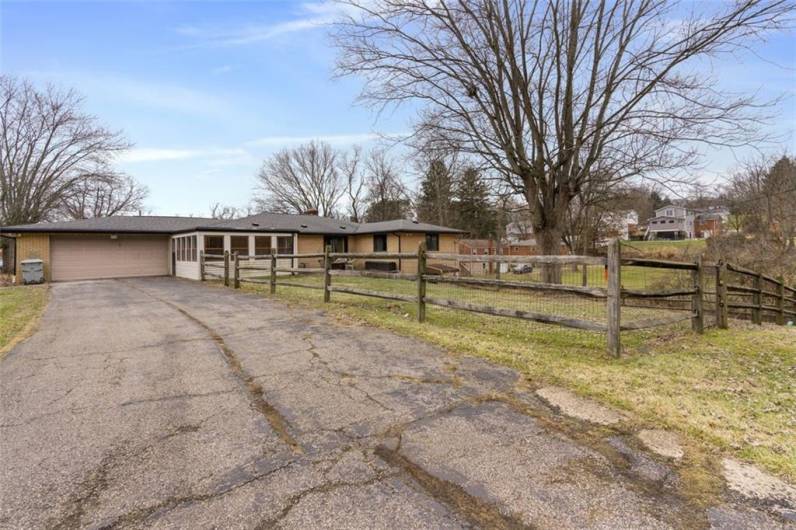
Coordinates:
column 474, row 213
column 435, row 202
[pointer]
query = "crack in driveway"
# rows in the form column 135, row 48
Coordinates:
column 254, row 390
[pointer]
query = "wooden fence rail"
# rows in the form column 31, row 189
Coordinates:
column 753, row 293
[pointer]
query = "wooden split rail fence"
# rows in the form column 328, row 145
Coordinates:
column 228, row 267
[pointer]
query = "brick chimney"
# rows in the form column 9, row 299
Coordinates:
column 311, row 211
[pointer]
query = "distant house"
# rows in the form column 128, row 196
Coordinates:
column 678, row 222
column 671, row 222
column 709, row 222
column 126, row 246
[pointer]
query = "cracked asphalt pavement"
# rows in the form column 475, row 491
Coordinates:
column 170, row 404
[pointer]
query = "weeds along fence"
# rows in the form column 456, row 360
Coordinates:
column 600, row 294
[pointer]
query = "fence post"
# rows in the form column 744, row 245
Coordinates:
column 614, row 302
column 202, row 265
column 698, row 320
column 781, row 301
column 236, row 270
column 757, row 300
column 421, row 282
column 226, row 268
column 273, row 271
column 327, row 277
column 721, row 295
column 585, row 279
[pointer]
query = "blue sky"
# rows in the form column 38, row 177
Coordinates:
column 206, row 90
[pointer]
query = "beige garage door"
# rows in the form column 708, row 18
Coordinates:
column 94, row 257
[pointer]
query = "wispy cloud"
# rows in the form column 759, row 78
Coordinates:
column 309, row 16
column 246, row 152
column 222, row 69
column 151, row 94
column 156, row 154
column 333, row 139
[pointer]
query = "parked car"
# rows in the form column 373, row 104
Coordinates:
column 522, row 268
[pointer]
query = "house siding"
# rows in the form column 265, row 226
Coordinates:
column 33, row 246
column 310, row 244
column 406, row 242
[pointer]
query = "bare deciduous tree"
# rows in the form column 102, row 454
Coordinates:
column 220, row 211
column 352, row 168
column 387, row 196
column 762, row 195
column 103, row 194
column 301, row 179
column 550, row 93
column 47, row 147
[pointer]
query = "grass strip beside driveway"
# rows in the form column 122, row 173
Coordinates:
column 20, row 309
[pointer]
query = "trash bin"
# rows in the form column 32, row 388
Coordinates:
column 32, row 271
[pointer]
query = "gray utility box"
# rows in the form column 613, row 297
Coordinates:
column 32, row 271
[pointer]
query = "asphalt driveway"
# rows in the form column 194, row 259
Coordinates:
column 168, row 403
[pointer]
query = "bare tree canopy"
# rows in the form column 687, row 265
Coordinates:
column 762, row 196
column 550, row 93
column 352, row 168
column 102, row 195
column 300, row 179
column 225, row 212
column 387, row 196
column 47, row 147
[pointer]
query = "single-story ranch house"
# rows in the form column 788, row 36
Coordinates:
column 128, row 246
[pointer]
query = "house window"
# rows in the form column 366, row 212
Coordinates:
column 284, row 245
column 239, row 244
column 214, row 245
column 671, row 222
column 193, row 248
column 337, row 243
column 669, row 213
column 380, row 243
column 262, row 245
column 432, row 242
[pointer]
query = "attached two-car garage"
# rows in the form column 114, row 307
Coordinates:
column 90, row 257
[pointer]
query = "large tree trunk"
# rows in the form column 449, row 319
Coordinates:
column 548, row 241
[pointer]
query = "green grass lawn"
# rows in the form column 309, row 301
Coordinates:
column 20, row 308
column 728, row 392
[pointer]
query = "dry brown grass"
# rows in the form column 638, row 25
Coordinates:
column 20, row 309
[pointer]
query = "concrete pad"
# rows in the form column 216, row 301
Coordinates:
column 750, row 481
column 578, row 407
column 664, row 443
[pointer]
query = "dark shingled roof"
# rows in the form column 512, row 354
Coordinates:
column 403, row 225
column 138, row 224
column 281, row 222
column 265, row 222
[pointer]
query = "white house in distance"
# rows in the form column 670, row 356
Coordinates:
column 678, row 222
column 671, row 222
